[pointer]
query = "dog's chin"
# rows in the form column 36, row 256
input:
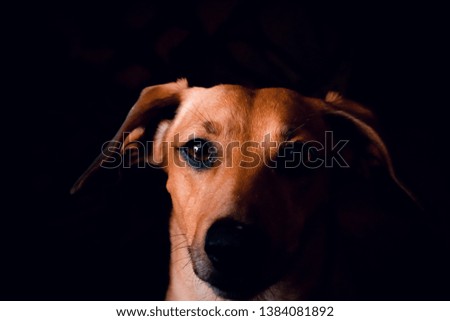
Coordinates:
column 233, row 295
column 242, row 285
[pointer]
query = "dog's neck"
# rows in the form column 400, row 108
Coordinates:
column 299, row 283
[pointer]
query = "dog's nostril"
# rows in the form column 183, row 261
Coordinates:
column 232, row 245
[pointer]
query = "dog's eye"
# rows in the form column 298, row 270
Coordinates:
column 199, row 153
column 296, row 155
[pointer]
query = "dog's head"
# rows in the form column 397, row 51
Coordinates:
column 247, row 170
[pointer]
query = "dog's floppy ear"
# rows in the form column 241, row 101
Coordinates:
column 368, row 153
column 155, row 104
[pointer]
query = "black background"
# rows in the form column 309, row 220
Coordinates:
column 78, row 67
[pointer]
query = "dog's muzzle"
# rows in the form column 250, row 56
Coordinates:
column 237, row 254
column 234, row 247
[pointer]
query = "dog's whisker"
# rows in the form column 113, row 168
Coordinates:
column 182, row 245
column 179, row 248
column 187, row 263
column 177, row 235
column 182, row 259
column 182, row 242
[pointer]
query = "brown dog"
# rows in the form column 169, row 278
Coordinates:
column 253, row 177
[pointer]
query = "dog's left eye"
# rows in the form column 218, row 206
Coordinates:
column 199, row 153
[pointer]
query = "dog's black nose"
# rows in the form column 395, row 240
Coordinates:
column 233, row 246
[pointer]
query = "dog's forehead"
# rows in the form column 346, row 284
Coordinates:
column 231, row 110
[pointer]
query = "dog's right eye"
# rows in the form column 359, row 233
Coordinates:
column 199, row 153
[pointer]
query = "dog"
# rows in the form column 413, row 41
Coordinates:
column 258, row 179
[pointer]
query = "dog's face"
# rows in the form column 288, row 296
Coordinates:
column 237, row 196
column 245, row 173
